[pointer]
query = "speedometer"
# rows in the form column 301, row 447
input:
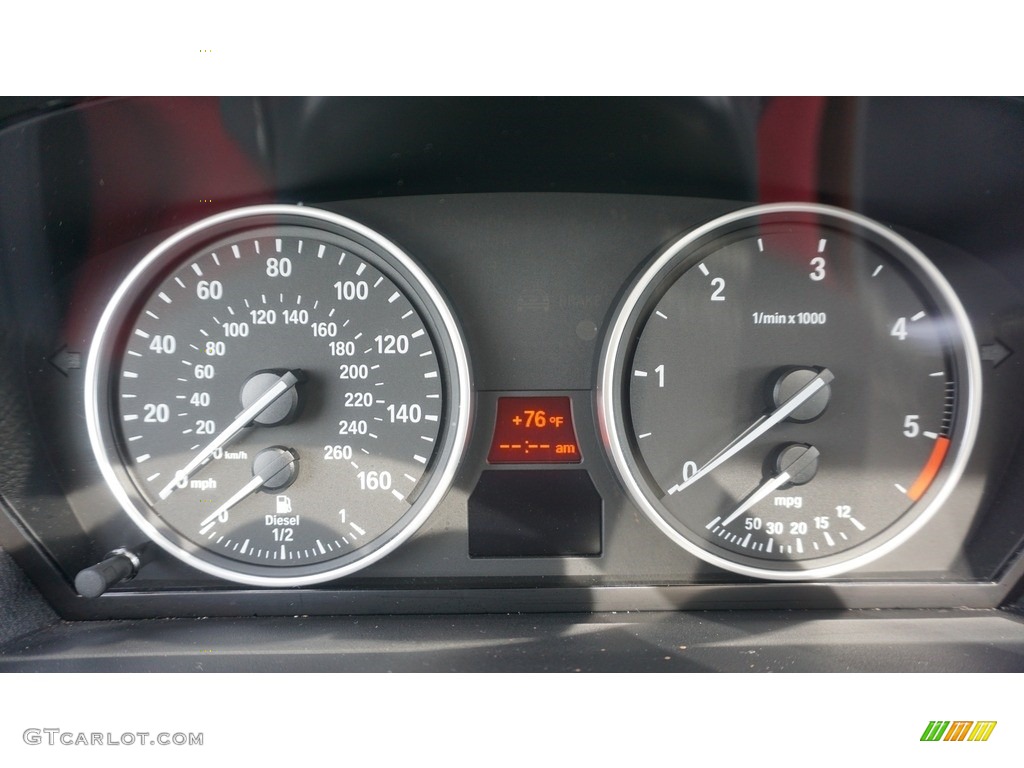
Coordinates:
column 790, row 391
column 278, row 395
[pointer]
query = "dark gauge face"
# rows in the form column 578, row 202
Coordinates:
column 790, row 391
column 279, row 395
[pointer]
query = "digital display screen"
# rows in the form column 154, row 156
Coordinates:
column 534, row 430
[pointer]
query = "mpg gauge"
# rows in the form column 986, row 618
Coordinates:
column 790, row 391
column 278, row 395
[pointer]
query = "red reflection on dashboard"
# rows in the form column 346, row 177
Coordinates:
column 788, row 149
column 154, row 165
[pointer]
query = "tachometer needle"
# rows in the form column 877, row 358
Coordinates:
column 758, row 428
column 286, row 381
column 793, row 469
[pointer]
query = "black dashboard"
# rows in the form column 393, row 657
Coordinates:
column 534, row 245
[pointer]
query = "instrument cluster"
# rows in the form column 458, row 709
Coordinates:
column 492, row 400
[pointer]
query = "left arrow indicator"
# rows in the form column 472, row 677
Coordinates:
column 64, row 361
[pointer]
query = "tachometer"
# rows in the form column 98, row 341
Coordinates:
column 278, row 395
column 790, row 391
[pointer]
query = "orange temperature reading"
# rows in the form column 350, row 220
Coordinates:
column 534, row 430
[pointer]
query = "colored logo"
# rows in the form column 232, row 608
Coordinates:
column 958, row 730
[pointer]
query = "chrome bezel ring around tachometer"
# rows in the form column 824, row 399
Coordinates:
column 637, row 304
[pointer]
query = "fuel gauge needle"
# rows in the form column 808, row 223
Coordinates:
column 276, row 468
column 221, row 513
column 758, row 428
column 793, row 469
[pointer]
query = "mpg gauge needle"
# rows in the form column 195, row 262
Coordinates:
column 759, row 427
column 802, row 464
column 283, row 383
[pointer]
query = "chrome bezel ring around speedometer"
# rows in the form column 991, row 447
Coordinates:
column 408, row 285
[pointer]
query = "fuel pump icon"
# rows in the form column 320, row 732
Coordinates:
column 284, row 505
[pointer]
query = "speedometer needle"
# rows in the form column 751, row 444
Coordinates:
column 286, row 381
column 758, row 428
column 793, row 469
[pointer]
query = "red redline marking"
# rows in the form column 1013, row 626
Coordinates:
column 931, row 469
